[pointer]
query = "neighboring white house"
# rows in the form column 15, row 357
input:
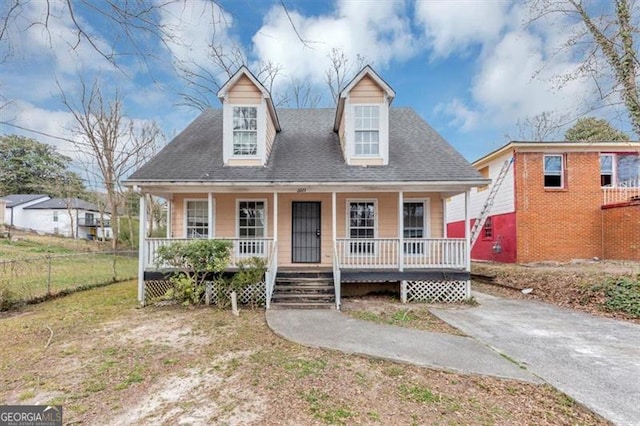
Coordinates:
column 66, row 217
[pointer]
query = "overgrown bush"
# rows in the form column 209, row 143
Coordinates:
column 250, row 272
column 622, row 294
column 195, row 261
column 8, row 298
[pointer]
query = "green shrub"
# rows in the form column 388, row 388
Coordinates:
column 8, row 299
column 250, row 272
column 195, row 262
column 622, row 294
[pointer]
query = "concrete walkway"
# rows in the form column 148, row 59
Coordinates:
column 333, row 330
column 594, row 360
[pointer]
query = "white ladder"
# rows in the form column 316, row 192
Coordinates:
column 486, row 209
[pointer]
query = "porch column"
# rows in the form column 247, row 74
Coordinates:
column 142, row 257
column 210, row 215
column 467, row 227
column 169, row 215
column 401, row 230
column 445, row 233
column 333, row 218
column 275, row 218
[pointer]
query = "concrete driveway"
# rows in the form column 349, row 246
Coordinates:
column 596, row 361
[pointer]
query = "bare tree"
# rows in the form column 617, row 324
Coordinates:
column 114, row 144
column 608, row 44
column 299, row 94
column 540, row 127
column 340, row 71
column 204, row 80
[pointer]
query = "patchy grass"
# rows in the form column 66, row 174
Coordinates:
column 34, row 266
column 165, row 365
column 387, row 310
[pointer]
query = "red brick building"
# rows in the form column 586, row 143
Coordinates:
column 559, row 201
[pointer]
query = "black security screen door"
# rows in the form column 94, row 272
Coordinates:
column 305, row 232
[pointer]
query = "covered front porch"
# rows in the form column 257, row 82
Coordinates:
column 360, row 234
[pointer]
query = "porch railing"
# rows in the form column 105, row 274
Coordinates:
column 243, row 248
column 384, row 253
column 270, row 275
column 623, row 191
column 336, row 277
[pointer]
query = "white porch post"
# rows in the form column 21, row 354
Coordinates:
column 142, row 260
column 445, row 232
column 467, row 234
column 333, row 218
column 210, row 215
column 169, row 215
column 275, row 217
column 401, row 230
column 467, row 228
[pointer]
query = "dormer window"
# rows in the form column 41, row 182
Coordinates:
column 245, row 131
column 362, row 119
column 367, row 128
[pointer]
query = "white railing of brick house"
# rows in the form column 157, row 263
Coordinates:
column 243, row 248
column 384, row 253
column 623, row 191
column 271, row 273
column 336, row 276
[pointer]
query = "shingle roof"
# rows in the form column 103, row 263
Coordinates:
column 17, row 199
column 60, row 203
column 308, row 150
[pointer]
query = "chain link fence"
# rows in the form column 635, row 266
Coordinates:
column 37, row 278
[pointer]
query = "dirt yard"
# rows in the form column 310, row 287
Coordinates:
column 108, row 362
column 573, row 285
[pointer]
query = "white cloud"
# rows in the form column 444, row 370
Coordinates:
column 380, row 32
column 516, row 73
column 452, row 26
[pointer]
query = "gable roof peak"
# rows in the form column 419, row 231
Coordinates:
column 242, row 71
column 367, row 70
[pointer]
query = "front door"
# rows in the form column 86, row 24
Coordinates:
column 305, row 232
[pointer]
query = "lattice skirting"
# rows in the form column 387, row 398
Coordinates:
column 155, row 289
column 255, row 293
column 435, row 291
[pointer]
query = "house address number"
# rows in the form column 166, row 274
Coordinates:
column 302, row 190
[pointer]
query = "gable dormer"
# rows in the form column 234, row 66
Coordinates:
column 250, row 122
column 362, row 119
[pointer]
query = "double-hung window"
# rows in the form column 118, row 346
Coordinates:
column 414, row 227
column 197, row 212
column 362, row 225
column 553, row 171
column 606, row 169
column 621, row 170
column 245, row 131
column 628, row 170
column 487, row 229
column 251, row 226
column 55, row 216
column 367, row 130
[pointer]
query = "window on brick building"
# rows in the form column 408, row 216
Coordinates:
column 621, row 170
column 606, row 169
column 553, row 171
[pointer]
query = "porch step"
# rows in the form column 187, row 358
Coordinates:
column 303, row 290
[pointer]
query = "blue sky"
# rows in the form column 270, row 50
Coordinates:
column 471, row 69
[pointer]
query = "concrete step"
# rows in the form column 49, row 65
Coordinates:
column 312, row 289
column 302, row 305
column 302, row 280
column 299, row 296
column 305, row 274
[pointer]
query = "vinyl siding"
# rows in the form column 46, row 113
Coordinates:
column 271, row 134
column 504, row 201
column 244, row 92
column 366, row 91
